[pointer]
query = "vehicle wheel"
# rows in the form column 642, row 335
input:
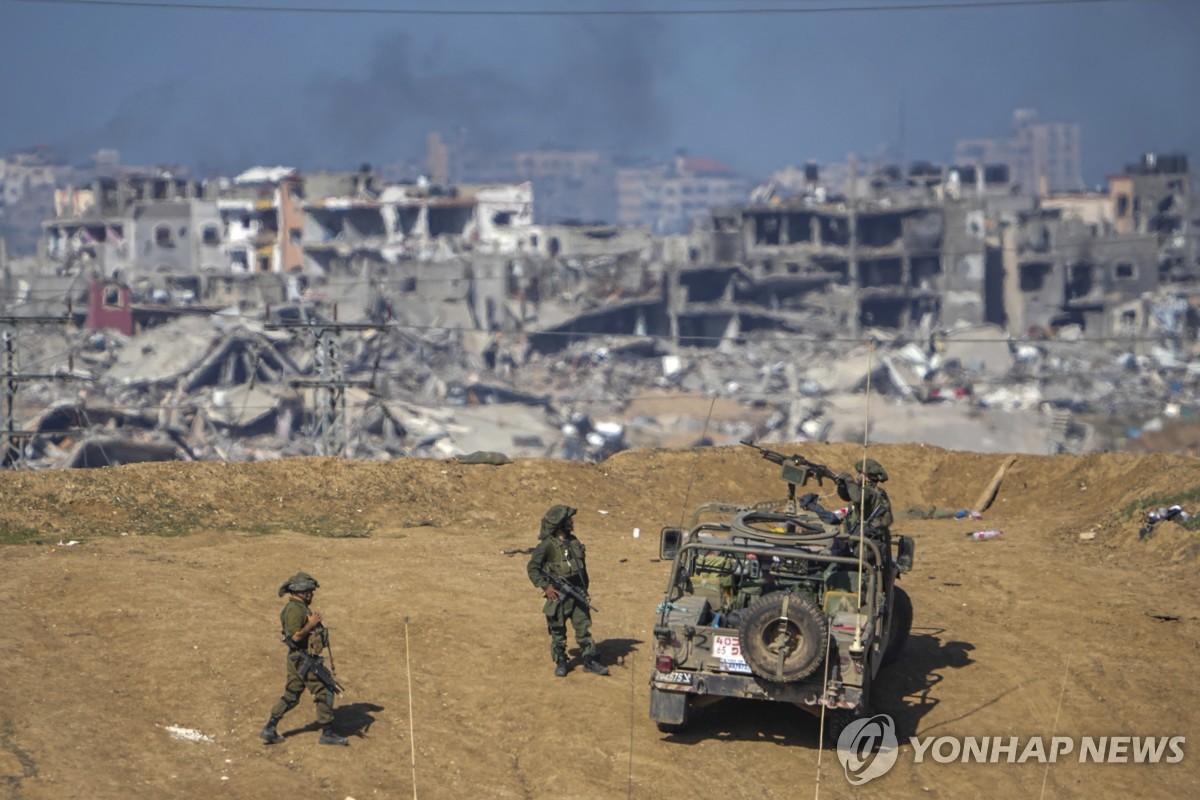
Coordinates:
column 672, row 705
column 783, row 637
column 764, row 525
column 836, row 720
column 901, row 624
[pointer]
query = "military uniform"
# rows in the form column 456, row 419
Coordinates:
column 565, row 557
column 867, row 501
column 293, row 619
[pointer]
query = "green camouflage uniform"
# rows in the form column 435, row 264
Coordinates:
column 562, row 558
column 864, row 500
column 292, row 618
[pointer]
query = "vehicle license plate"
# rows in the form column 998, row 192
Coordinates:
column 727, row 647
column 675, row 677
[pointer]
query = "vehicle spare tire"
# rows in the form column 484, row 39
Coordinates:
column 783, row 636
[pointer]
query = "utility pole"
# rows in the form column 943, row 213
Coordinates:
column 12, row 449
column 330, row 426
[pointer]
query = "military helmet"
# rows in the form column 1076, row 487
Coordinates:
column 872, row 469
column 554, row 517
column 300, row 582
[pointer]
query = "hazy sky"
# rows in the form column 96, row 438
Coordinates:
column 223, row 90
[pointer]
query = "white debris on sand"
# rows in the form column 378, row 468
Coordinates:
column 187, row 734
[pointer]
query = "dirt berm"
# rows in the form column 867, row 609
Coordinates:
column 142, row 650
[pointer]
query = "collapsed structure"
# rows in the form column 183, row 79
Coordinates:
column 788, row 305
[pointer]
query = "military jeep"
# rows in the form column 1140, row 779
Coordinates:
column 776, row 605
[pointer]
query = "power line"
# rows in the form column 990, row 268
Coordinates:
column 956, row 5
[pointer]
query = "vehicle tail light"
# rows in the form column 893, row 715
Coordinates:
column 664, row 663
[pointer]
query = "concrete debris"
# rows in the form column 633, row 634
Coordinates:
column 344, row 316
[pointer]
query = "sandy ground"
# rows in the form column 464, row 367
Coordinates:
column 165, row 614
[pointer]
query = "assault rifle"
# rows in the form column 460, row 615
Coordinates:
column 564, row 587
column 313, row 664
column 795, row 460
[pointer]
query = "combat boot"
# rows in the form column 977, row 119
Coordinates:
column 269, row 734
column 330, row 736
column 591, row 664
column 560, row 668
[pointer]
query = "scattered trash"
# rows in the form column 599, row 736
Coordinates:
column 1162, row 514
column 1164, row 617
column 1087, row 536
column 637, row 532
column 602, row 512
column 988, row 534
column 964, row 513
column 71, row 543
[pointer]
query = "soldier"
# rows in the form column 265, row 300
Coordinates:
column 867, row 501
column 563, row 556
column 303, row 626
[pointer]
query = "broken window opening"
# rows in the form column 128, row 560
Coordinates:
column 264, row 264
column 406, row 219
column 1122, row 205
column 882, row 312
column 211, row 236
column 1079, row 281
column 925, row 271
column 1126, row 271
column 502, row 219
column 880, row 272
column 112, row 295
column 835, row 231
column 799, row 228
column 163, row 237
column 295, row 236
column 1033, row 276
column 448, row 221
column 766, row 229
column 879, row 231
column 366, row 222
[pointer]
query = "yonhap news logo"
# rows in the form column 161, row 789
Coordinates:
column 868, row 748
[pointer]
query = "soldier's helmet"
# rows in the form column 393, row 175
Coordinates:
column 872, row 469
column 554, row 517
column 300, row 582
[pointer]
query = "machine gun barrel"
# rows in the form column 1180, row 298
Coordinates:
column 821, row 471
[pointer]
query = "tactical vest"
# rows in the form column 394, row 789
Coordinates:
column 566, row 559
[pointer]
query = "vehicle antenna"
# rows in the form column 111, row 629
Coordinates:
column 857, row 646
column 688, row 493
column 412, row 742
column 629, row 779
column 824, row 705
column 1054, row 727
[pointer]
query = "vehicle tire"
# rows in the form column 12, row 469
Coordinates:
column 671, row 705
column 836, row 720
column 762, row 525
column 781, row 646
column 901, row 624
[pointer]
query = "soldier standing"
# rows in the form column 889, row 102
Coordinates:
column 563, row 556
column 302, row 625
column 868, row 500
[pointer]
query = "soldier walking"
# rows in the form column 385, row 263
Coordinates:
column 302, row 625
column 561, row 555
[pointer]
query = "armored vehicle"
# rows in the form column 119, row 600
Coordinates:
column 773, row 604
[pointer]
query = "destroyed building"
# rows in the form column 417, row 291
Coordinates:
column 931, row 249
